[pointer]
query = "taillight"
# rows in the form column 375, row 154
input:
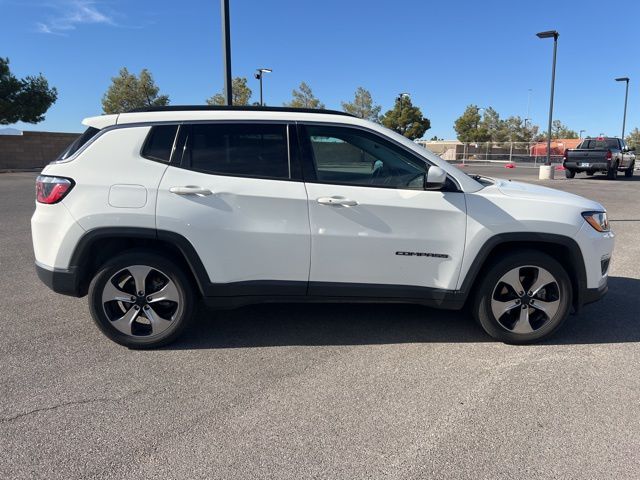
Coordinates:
column 565, row 155
column 52, row 189
column 609, row 156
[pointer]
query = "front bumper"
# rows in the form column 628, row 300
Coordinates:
column 594, row 294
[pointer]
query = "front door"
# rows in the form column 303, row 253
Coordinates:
column 374, row 229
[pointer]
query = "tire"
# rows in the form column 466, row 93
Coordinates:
column 141, row 321
column 612, row 172
column 495, row 294
column 628, row 173
column 570, row 173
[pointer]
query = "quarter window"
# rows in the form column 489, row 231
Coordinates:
column 251, row 150
column 355, row 157
column 159, row 143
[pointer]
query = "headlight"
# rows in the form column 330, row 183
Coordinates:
column 597, row 220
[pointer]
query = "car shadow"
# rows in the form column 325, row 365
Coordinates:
column 602, row 177
column 614, row 319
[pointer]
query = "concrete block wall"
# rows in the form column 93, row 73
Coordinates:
column 32, row 150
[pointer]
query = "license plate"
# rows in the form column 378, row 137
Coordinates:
column 583, row 164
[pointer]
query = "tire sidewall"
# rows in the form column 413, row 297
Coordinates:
column 171, row 270
column 482, row 304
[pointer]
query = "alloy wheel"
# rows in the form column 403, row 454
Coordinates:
column 525, row 299
column 140, row 301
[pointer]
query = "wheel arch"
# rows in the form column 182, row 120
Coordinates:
column 96, row 247
column 562, row 248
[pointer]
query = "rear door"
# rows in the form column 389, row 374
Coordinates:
column 374, row 229
column 232, row 192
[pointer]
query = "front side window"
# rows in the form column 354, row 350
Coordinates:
column 251, row 150
column 354, row 157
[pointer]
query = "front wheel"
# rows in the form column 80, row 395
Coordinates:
column 141, row 300
column 570, row 173
column 523, row 298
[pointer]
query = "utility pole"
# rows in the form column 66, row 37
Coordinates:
column 226, row 51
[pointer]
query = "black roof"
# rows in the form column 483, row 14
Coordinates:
column 243, row 108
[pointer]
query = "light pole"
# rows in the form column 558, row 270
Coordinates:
column 401, row 95
column 551, row 34
column 226, row 50
column 259, row 73
column 626, row 95
column 528, row 108
column 580, row 134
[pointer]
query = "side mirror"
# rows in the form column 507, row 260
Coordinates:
column 435, row 178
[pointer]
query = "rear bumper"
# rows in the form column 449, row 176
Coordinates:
column 59, row 280
column 571, row 165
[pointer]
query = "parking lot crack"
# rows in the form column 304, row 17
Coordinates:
column 71, row 403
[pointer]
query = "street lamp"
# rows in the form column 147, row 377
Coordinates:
column 580, row 134
column 626, row 95
column 258, row 75
column 401, row 95
column 551, row 34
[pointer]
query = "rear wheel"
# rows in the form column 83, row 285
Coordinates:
column 629, row 171
column 523, row 298
column 612, row 172
column 570, row 173
column 141, row 300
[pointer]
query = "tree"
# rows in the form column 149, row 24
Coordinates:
column 23, row 99
column 514, row 129
column 304, row 98
column 240, row 93
column 406, row 119
column 558, row 130
column 469, row 128
column 127, row 91
column 493, row 125
column 362, row 106
column 633, row 139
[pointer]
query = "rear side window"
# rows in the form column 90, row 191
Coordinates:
column 599, row 144
column 87, row 135
column 159, row 143
column 247, row 150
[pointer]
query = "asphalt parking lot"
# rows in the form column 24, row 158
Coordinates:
column 320, row 391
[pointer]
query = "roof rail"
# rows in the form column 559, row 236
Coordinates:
column 240, row 108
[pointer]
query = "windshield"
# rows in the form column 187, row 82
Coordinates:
column 88, row 134
column 599, row 144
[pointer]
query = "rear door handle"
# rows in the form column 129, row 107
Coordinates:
column 340, row 201
column 190, row 190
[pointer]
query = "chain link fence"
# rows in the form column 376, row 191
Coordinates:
column 478, row 153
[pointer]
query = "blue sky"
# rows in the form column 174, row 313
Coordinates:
column 446, row 54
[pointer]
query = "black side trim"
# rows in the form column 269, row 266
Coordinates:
column 59, row 280
column 528, row 239
column 448, row 299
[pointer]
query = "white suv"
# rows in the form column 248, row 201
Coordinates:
column 152, row 209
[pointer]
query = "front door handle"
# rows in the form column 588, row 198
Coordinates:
column 190, row 190
column 339, row 201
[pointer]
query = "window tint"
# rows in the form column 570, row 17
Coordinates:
column 355, row 157
column 160, row 142
column 87, row 135
column 596, row 144
column 252, row 150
